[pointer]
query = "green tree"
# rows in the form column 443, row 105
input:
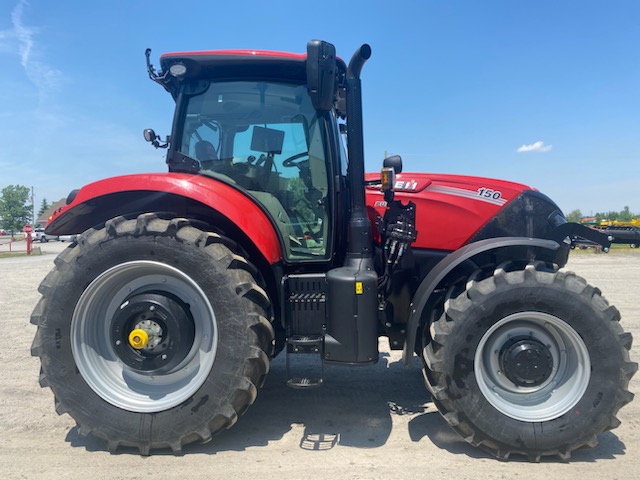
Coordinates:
column 625, row 215
column 14, row 211
column 574, row 216
column 43, row 206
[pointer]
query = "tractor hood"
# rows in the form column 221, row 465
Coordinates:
column 453, row 210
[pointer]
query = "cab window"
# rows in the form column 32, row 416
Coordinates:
column 266, row 138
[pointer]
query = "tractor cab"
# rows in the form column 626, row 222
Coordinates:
column 247, row 118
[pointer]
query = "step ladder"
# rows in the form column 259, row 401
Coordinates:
column 308, row 371
column 304, row 297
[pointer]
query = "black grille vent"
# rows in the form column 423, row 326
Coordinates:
column 306, row 300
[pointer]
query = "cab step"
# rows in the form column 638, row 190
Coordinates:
column 306, row 373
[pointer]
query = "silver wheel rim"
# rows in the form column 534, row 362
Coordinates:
column 563, row 388
column 96, row 359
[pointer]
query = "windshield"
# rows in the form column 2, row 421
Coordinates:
column 266, row 137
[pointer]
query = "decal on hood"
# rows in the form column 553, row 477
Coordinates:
column 482, row 194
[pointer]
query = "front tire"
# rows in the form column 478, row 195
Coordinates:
column 152, row 333
column 530, row 362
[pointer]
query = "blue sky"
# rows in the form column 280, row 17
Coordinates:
column 546, row 93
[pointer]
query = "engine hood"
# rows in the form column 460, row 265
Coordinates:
column 452, row 209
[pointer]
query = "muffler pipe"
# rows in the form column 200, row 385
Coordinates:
column 359, row 225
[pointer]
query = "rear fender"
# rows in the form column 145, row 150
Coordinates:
column 191, row 196
column 447, row 265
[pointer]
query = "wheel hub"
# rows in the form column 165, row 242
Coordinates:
column 152, row 332
column 138, row 338
column 526, row 361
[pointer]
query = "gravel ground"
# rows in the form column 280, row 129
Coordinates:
column 368, row 423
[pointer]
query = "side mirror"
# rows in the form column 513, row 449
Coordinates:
column 151, row 137
column 395, row 162
column 321, row 74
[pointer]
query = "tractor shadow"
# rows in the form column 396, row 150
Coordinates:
column 435, row 428
column 356, row 407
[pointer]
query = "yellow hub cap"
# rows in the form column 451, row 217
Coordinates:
column 138, row 338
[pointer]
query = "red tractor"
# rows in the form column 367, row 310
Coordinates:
column 157, row 325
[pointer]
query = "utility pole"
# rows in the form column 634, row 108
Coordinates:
column 33, row 208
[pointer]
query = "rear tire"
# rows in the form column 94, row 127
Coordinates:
column 208, row 343
column 529, row 362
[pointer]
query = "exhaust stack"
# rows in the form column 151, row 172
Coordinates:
column 359, row 225
column 352, row 290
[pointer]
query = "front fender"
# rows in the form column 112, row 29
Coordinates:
column 192, row 196
column 445, row 266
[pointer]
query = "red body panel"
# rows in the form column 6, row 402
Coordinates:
column 450, row 209
column 240, row 210
column 235, row 53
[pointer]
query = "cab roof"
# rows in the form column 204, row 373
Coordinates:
column 236, row 64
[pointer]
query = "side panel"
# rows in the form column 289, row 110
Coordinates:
column 155, row 189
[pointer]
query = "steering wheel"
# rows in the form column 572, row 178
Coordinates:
column 291, row 161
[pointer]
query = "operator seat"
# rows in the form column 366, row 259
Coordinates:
column 206, row 154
